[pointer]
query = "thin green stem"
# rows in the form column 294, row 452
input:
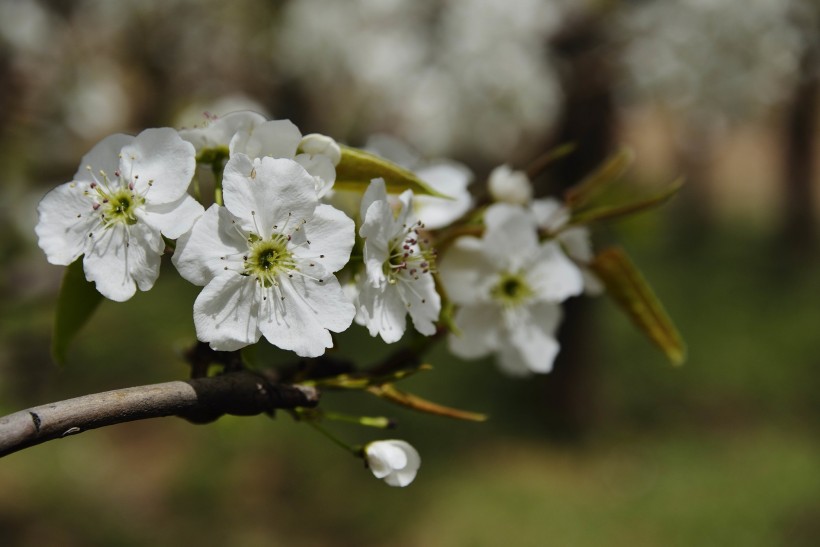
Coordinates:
column 333, row 438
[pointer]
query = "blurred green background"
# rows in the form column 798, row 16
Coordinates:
column 615, row 447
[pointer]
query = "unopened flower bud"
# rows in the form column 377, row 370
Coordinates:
column 394, row 461
column 316, row 144
column 510, row 186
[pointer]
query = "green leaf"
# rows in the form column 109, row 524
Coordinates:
column 357, row 168
column 616, row 207
column 612, row 170
column 76, row 304
column 628, row 288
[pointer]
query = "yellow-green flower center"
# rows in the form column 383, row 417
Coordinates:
column 119, row 206
column 268, row 258
column 511, row 289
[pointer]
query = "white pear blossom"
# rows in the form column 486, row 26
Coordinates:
column 127, row 194
column 509, row 287
column 394, row 461
column 398, row 268
column 252, row 134
column 267, row 260
column 448, row 177
column 508, row 186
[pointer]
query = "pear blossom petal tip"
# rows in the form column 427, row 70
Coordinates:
column 394, row 461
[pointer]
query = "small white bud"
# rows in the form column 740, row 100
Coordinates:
column 394, row 461
column 316, row 144
column 510, row 186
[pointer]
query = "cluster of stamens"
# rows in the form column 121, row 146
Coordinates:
column 269, row 258
column 114, row 201
column 410, row 254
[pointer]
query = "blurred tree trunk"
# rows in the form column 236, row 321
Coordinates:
column 588, row 121
column 797, row 231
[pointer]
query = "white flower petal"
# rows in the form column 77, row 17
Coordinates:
column 219, row 132
column 550, row 213
column 531, row 346
column 552, row 275
column 300, row 321
column 466, row 272
column 213, row 244
column 321, row 169
column 66, row 218
column 331, row 234
column 511, row 236
column 382, row 311
column 172, row 219
column 577, row 244
column 274, row 138
column 161, row 159
column 225, row 312
column 120, row 259
column 479, row 325
column 103, row 157
column 422, row 301
column 268, row 192
column 451, row 179
column 315, row 144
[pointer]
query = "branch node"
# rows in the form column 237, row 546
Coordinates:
column 36, row 419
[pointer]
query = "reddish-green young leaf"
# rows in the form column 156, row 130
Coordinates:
column 616, row 207
column 390, row 393
column 612, row 170
column 357, row 168
column 628, row 288
column 76, row 304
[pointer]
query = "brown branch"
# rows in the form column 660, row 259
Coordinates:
column 199, row 400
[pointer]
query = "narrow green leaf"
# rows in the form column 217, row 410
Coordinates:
column 617, row 208
column 628, row 288
column 76, row 304
column 612, row 169
column 357, row 168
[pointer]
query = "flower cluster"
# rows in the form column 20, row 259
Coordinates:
column 276, row 258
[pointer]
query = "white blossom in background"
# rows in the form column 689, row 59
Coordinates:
column 266, row 260
column 394, row 461
column 252, row 134
column 509, row 186
column 127, row 194
column 448, row 177
column 398, row 276
column 472, row 76
column 509, row 287
column 719, row 59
